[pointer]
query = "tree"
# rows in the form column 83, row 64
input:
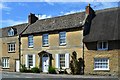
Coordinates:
column 76, row 66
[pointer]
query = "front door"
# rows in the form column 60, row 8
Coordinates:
column 45, row 63
column 17, row 62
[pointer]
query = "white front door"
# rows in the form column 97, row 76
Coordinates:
column 45, row 64
column 17, row 62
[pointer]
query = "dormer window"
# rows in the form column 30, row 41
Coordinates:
column 102, row 45
column 11, row 32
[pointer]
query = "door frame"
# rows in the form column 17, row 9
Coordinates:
column 48, row 61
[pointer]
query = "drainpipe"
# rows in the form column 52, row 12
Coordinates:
column 83, row 57
column 19, row 39
column 31, row 19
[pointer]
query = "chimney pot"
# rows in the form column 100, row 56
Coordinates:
column 89, row 4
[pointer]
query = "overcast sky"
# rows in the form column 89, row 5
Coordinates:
column 17, row 12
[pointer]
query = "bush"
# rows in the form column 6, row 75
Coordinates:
column 35, row 70
column 40, row 69
column 28, row 71
column 23, row 68
column 51, row 70
column 76, row 66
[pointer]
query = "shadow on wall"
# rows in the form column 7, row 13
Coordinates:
column 112, row 45
column 76, row 66
column 0, row 62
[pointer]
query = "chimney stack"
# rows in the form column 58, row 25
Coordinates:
column 90, row 14
column 32, row 18
column 88, row 9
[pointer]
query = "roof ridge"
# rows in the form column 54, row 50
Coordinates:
column 14, row 25
column 107, row 9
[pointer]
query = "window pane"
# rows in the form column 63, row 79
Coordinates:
column 62, row 60
column 104, row 44
column 100, row 45
column 62, row 37
column 11, row 47
column 11, row 32
column 30, row 41
column 5, row 62
column 30, row 60
column 45, row 39
column 101, row 63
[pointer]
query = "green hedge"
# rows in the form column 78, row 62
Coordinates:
column 32, row 70
column 35, row 70
column 23, row 68
column 51, row 70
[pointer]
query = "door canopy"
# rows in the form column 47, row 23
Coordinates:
column 44, row 53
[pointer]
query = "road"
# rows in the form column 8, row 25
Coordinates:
column 41, row 76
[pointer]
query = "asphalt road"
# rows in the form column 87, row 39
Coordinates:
column 41, row 76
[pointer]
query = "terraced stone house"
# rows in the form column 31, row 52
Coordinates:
column 51, row 42
column 102, row 44
column 11, row 44
column 9, row 47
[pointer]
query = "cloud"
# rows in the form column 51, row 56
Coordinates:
column 7, row 13
column 106, row 0
column 103, row 5
column 43, row 16
column 59, row 0
column 4, row 6
column 9, row 22
column 81, row 0
column 49, row 2
column 67, row 0
column 22, row 4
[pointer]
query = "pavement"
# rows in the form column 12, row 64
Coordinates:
column 43, row 76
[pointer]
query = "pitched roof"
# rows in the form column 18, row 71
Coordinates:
column 56, row 23
column 105, row 26
column 18, row 28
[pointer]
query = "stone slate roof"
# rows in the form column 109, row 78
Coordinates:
column 105, row 26
column 56, row 23
column 19, row 28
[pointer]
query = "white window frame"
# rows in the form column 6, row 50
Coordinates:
column 45, row 39
column 27, row 60
column 62, row 38
column 11, row 47
column 67, row 61
column 99, row 64
column 30, row 41
column 102, row 43
column 61, row 61
column 30, row 61
column 11, row 32
column 5, row 62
